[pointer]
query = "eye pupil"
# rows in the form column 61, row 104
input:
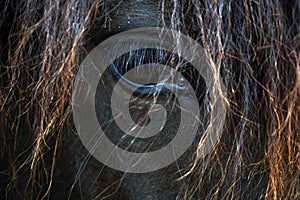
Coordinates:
column 181, row 81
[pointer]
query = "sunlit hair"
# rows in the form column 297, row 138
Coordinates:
column 255, row 43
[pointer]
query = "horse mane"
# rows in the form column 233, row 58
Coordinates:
column 256, row 43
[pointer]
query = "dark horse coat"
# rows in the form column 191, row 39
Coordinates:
column 255, row 46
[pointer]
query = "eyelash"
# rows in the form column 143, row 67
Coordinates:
column 138, row 57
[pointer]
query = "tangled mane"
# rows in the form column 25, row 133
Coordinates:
column 256, row 43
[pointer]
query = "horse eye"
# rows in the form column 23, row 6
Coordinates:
column 154, row 58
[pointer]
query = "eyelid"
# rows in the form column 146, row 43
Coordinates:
column 144, row 89
column 116, row 70
column 157, row 57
